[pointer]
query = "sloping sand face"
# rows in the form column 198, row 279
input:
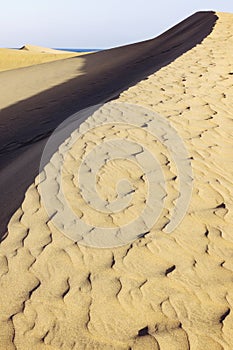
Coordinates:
column 37, row 78
column 162, row 291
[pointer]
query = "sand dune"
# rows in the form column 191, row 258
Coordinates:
column 163, row 291
column 41, row 49
column 30, row 55
column 45, row 50
column 39, row 104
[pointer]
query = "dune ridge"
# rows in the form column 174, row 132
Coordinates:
column 162, row 291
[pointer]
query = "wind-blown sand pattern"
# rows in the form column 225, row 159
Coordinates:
column 30, row 55
column 163, row 291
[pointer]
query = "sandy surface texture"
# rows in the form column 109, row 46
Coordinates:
column 161, row 291
column 30, row 55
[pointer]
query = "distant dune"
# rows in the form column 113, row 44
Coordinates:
column 162, row 291
column 30, row 55
column 40, row 49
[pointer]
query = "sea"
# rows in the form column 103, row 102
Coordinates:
column 78, row 50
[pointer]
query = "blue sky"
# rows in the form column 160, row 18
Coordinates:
column 93, row 23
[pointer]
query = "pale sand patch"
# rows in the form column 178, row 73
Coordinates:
column 33, row 77
column 163, row 291
column 31, row 55
column 107, row 150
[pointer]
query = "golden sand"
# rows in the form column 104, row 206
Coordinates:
column 163, row 291
column 31, row 55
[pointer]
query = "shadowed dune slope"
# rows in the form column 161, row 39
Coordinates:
column 33, row 108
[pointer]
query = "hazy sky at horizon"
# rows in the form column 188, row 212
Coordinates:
column 93, row 24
